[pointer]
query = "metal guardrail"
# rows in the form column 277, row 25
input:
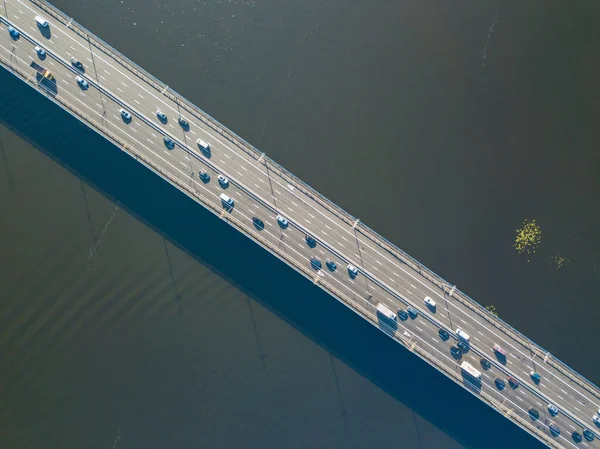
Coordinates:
column 291, row 179
column 370, row 315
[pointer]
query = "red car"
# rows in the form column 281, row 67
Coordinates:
column 514, row 383
column 500, row 350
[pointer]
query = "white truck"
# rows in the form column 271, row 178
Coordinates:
column 383, row 311
column 470, row 370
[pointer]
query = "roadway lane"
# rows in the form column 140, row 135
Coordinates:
column 294, row 204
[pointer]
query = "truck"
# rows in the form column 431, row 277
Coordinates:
column 45, row 73
column 470, row 370
column 383, row 311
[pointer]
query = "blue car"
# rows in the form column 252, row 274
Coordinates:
column 554, row 430
column 310, row 241
column 183, row 123
column 330, row 264
column 588, row 434
column 500, row 383
column 412, row 312
column 315, row 263
column 161, row 116
column 13, row 33
column 169, row 142
column 205, row 177
column 443, row 333
column 402, row 314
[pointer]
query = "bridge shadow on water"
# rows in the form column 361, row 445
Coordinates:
column 266, row 279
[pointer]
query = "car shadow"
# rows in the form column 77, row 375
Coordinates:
column 45, row 31
column 296, row 301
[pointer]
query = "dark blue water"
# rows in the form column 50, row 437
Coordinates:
column 130, row 318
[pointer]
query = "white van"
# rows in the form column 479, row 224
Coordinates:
column 462, row 335
column 227, row 202
column 204, row 147
column 41, row 21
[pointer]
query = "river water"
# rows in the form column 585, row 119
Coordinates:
column 442, row 125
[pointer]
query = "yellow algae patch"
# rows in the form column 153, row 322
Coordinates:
column 492, row 310
column 528, row 237
column 559, row 261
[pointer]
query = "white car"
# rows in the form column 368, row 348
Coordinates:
column 429, row 302
column 223, row 181
column 41, row 21
column 352, row 271
column 596, row 419
column 282, row 221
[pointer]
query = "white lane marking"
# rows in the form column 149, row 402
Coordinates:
column 243, row 168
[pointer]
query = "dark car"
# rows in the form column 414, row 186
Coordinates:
column 588, row 434
column 76, row 63
column 535, row 377
column 500, row 383
column 205, row 177
column 443, row 333
column 258, row 223
column 330, row 264
column 315, row 263
column 514, row 383
column 310, row 241
column 13, row 32
column 183, row 123
column 576, row 436
column 456, row 352
column 161, row 116
column 554, row 430
column 402, row 314
column 534, row 413
column 412, row 312
column 485, row 363
column 463, row 346
column 169, row 143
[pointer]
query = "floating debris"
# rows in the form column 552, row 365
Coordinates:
column 528, row 237
column 559, row 260
column 492, row 310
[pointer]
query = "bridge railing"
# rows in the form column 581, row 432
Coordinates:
column 367, row 312
column 297, row 183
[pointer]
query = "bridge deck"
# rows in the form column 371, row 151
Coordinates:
column 263, row 189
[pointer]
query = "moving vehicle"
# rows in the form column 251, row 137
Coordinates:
column 76, row 63
column 283, row 223
column 470, row 370
column 183, row 123
column 258, row 223
column 443, row 333
column 125, row 114
column 499, row 383
column 429, row 302
column 227, row 202
column 169, row 142
column 596, row 419
column 514, row 383
column 161, row 116
column 554, row 430
column 315, row 263
column 412, row 312
column 499, row 350
column 461, row 334
column 205, row 177
column 223, row 181
column 485, row 363
column 13, row 32
column 535, row 377
column 41, row 21
column 463, row 346
column 456, row 352
column 534, row 413
column 40, row 51
column 383, row 311
column 576, row 436
column 45, row 73
column 352, row 271
column 82, row 83
column 552, row 409
column 310, row 241
column 402, row 314
column 330, row 264
column 588, row 434
column 204, row 147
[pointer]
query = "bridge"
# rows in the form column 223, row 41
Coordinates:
column 182, row 142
